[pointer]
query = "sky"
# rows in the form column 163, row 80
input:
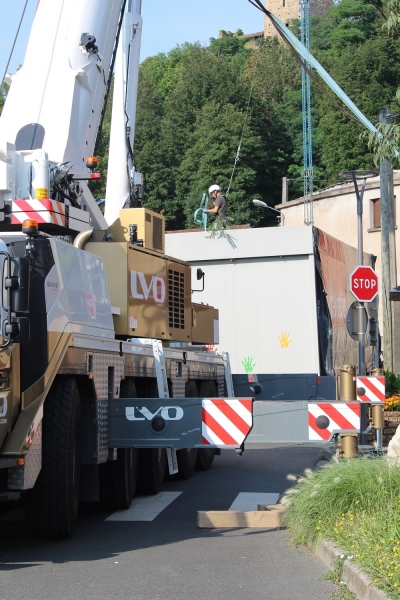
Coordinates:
column 166, row 23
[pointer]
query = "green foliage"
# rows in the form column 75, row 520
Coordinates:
column 384, row 143
column 336, row 577
column 229, row 45
column 209, row 159
column 192, row 104
column 348, row 23
column 189, row 123
column 392, row 383
column 369, row 75
column 363, row 496
column 392, row 11
column 3, row 95
column 98, row 186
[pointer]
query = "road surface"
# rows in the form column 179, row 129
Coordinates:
column 168, row 557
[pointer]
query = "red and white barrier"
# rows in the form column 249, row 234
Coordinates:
column 49, row 212
column 226, row 422
column 43, row 211
column 327, row 419
column 371, row 389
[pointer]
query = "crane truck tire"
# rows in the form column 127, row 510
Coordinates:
column 152, row 461
column 187, row 457
column 51, row 506
column 205, row 457
column 117, row 478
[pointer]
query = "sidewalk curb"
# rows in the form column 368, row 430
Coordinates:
column 358, row 582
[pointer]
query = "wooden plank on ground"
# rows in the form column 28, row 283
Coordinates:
column 278, row 507
column 232, row 518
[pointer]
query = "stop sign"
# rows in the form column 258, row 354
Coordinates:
column 364, row 283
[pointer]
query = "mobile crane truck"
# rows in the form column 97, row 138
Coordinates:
column 93, row 402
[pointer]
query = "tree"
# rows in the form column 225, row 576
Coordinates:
column 98, row 186
column 201, row 114
column 210, row 160
column 193, row 101
column 350, row 44
column 3, row 95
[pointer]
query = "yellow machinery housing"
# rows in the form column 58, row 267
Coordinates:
column 151, row 292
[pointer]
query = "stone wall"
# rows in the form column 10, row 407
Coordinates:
column 392, row 421
column 319, row 7
column 287, row 10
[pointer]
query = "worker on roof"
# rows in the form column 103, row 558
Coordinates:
column 220, row 205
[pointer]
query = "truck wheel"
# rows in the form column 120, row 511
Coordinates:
column 51, row 506
column 152, row 461
column 205, row 458
column 118, row 478
column 187, row 457
column 152, row 466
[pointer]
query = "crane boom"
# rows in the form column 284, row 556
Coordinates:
column 121, row 173
column 53, row 106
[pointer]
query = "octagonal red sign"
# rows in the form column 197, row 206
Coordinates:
column 364, row 283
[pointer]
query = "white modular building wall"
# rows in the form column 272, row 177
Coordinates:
column 263, row 283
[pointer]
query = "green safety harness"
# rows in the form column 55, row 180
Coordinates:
column 200, row 217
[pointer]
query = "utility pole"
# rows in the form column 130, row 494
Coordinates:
column 388, row 247
column 308, row 182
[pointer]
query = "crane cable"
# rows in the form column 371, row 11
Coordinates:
column 237, row 158
column 15, row 41
column 109, row 80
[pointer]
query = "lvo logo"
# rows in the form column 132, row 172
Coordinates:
column 141, row 413
column 141, row 287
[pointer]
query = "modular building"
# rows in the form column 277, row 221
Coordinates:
column 283, row 295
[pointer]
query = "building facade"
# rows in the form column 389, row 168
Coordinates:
column 335, row 212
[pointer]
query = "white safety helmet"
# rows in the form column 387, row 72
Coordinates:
column 214, row 188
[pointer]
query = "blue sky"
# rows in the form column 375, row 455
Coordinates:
column 166, row 24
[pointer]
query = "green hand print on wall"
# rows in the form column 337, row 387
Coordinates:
column 248, row 364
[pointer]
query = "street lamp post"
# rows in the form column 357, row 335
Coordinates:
column 265, row 205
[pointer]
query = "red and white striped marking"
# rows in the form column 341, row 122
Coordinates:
column 371, row 389
column 43, row 211
column 342, row 417
column 226, row 421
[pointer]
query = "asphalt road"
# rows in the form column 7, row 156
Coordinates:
column 169, row 558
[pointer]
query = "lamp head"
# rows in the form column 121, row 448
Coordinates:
column 260, row 203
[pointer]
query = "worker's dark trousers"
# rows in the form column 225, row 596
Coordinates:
column 222, row 223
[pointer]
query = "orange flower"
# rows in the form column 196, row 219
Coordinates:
column 392, row 402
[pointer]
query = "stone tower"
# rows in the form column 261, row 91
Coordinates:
column 287, row 10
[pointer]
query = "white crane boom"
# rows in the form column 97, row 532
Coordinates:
column 53, row 107
column 121, row 172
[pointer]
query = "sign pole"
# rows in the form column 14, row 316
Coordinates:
column 367, row 283
column 361, row 339
column 361, row 342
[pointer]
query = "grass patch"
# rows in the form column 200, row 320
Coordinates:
column 355, row 503
column 335, row 577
